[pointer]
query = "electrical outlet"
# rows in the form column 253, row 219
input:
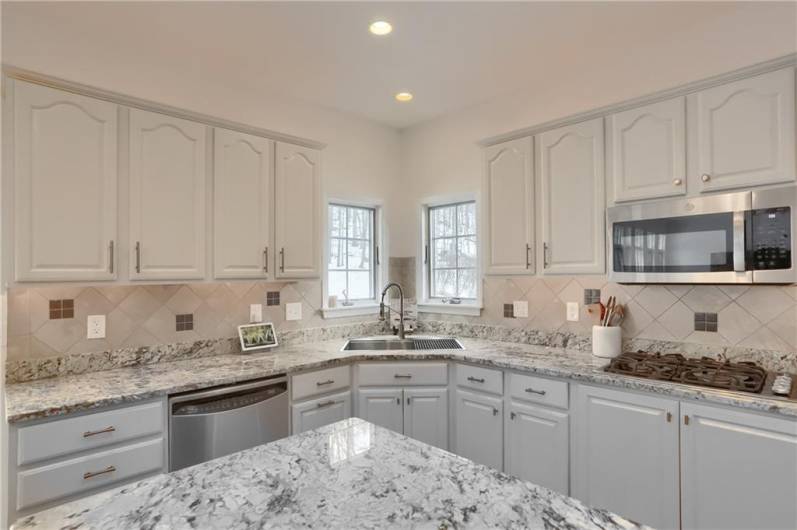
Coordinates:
column 293, row 311
column 95, row 327
column 255, row 313
column 521, row 308
column 572, row 311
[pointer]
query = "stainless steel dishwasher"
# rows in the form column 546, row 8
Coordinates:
column 212, row 423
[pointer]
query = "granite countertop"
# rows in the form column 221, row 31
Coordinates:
column 350, row 474
column 62, row 395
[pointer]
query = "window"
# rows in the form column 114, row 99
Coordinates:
column 351, row 270
column 453, row 271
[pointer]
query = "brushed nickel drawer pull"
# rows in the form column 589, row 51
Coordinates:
column 326, row 404
column 88, row 434
column 532, row 391
column 402, row 376
column 476, row 379
column 323, row 383
column 92, row 474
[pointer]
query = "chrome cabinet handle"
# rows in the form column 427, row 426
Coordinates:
column 402, row 376
column 677, row 182
column 265, row 259
column 323, row 383
column 476, row 379
column 532, row 391
column 282, row 259
column 138, row 256
column 92, row 474
column 110, row 257
column 527, row 255
column 89, row 434
column 705, row 177
column 545, row 255
column 495, row 411
column 326, row 404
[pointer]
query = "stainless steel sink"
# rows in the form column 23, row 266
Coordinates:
column 414, row 343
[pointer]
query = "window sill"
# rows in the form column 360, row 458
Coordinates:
column 369, row 308
column 473, row 309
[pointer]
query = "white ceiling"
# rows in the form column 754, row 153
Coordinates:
column 449, row 55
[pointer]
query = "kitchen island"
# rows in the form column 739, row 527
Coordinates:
column 350, row 474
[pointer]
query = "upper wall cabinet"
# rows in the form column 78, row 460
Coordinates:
column 298, row 211
column 508, row 189
column 571, row 173
column 167, row 197
column 242, row 199
column 742, row 133
column 646, row 151
column 65, row 167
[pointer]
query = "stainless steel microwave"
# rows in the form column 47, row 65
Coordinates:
column 745, row 237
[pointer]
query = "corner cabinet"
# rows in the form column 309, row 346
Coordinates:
column 738, row 470
column 167, row 197
column 570, row 168
column 243, row 195
column 508, row 191
column 646, row 151
column 742, row 133
column 65, row 185
column 298, row 211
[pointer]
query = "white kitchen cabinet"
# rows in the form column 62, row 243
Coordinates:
column 426, row 415
column 570, row 169
column 65, row 185
column 537, row 445
column 646, row 151
column 479, row 428
column 738, row 470
column 242, row 205
column 315, row 413
column 625, row 455
column 382, row 406
column 298, row 211
column 167, row 197
column 742, row 133
column 508, row 191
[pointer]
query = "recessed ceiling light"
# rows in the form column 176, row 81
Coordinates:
column 380, row 27
column 403, row 96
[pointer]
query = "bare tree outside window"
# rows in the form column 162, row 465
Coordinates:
column 452, row 242
column 351, row 252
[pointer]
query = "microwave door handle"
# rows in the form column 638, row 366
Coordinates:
column 738, row 242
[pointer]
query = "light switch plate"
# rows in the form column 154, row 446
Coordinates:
column 95, row 327
column 521, row 308
column 572, row 311
column 255, row 313
column 293, row 311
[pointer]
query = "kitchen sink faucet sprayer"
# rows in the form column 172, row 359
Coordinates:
column 401, row 306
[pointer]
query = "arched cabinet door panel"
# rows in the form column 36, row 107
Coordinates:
column 65, row 185
column 742, row 133
column 508, row 191
column 167, row 197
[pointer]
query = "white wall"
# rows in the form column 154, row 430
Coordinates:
column 442, row 156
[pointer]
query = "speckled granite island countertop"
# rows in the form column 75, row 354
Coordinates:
column 350, row 474
column 62, row 395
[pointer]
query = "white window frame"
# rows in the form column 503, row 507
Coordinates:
column 360, row 307
column 427, row 304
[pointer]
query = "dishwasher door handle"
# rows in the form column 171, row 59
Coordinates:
column 227, row 390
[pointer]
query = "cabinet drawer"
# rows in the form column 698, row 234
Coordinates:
column 314, row 383
column 96, row 471
column 484, row 379
column 72, row 435
column 538, row 390
column 404, row 374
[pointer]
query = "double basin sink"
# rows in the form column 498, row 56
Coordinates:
column 395, row 343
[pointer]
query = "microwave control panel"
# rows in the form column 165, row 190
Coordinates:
column 771, row 238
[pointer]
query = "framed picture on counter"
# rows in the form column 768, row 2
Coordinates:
column 257, row 336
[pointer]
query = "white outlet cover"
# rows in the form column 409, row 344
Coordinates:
column 520, row 309
column 255, row 313
column 572, row 311
column 293, row 311
column 95, row 327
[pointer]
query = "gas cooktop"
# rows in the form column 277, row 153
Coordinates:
column 740, row 376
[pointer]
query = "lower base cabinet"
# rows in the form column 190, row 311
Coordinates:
column 420, row 413
column 626, row 455
column 479, row 424
column 738, row 470
column 537, row 445
column 322, row 411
